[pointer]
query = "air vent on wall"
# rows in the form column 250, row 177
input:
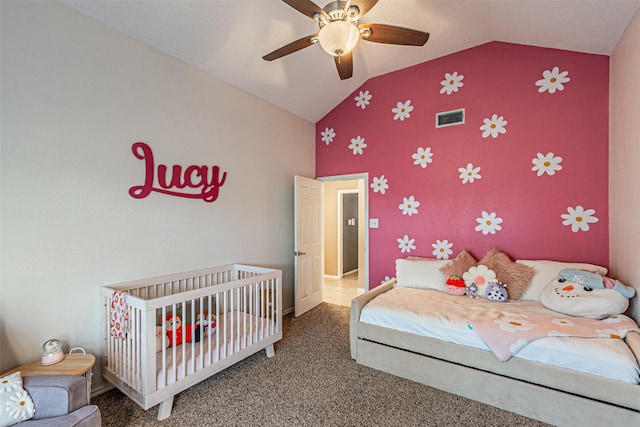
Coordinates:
column 450, row 118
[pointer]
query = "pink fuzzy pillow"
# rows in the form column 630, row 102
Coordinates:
column 516, row 276
column 459, row 265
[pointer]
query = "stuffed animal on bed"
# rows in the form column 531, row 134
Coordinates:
column 187, row 334
column 455, row 286
column 477, row 279
column 496, row 292
column 585, row 294
column 472, row 291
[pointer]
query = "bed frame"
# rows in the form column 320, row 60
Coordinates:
column 546, row 393
column 246, row 300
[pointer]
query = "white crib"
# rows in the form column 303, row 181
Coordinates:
column 247, row 303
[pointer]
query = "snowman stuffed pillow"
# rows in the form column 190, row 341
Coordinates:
column 585, row 294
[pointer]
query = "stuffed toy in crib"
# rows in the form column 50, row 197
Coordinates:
column 586, row 294
column 161, row 341
column 207, row 322
column 187, row 333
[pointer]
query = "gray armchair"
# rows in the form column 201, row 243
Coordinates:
column 60, row 401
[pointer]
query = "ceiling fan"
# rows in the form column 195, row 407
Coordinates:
column 340, row 31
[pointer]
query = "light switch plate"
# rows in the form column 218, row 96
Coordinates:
column 373, row 222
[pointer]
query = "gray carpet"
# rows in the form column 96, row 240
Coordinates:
column 311, row 381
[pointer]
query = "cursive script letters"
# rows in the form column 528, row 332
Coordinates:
column 207, row 179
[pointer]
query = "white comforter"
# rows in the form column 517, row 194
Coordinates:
column 435, row 314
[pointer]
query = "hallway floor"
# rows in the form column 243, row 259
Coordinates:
column 341, row 291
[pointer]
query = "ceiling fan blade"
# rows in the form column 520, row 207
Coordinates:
column 364, row 5
column 306, row 7
column 344, row 63
column 291, row 47
column 381, row 33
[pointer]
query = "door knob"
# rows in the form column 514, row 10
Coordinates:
column 296, row 253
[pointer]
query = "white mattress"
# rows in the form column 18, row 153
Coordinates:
column 435, row 314
column 213, row 347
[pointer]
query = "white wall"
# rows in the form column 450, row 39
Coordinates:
column 624, row 158
column 75, row 96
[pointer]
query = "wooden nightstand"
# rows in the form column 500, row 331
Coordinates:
column 74, row 364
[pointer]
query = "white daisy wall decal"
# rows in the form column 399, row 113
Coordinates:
column 379, row 184
column 469, row 174
column 385, row 280
column 548, row 163
column 363, row 98
column 579, row 218
column 442, row 249
column 406, row 244
column 451, row 83
column 327, row 135
column 488, row 223
column 409, row 206
column 422, row 157
column 402, row 110
column 552, row 80
column 493, row 126
column 357, row 145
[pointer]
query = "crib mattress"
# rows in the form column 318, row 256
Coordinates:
column 235, row 331
column 435, row 314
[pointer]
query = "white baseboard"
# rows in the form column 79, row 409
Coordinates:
column 288, row 310
column 105, row 387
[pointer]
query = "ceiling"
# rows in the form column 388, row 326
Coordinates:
column 228, row 38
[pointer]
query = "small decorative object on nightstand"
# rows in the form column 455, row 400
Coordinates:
column 51, row 352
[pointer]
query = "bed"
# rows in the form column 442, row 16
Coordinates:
column 227, row 313
column 564, row 381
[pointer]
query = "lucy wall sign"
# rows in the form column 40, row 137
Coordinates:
column 195, row 182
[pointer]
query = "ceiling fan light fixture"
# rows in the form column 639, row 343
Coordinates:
column 338, row 37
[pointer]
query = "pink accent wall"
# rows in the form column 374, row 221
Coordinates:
column 499, row 78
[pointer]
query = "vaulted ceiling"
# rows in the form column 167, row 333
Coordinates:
column 228, row 38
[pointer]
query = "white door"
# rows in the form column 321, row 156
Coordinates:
column 308, row 244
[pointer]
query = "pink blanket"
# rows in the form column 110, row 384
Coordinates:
column 508, row 333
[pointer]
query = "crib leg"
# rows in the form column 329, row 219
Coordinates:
column 164, row 410
column 270, row 351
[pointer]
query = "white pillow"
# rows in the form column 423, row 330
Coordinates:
column 547, row 270
column 15, row 403
column 423, row 274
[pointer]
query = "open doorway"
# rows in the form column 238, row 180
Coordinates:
column 348, row 221
column 345, row 237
